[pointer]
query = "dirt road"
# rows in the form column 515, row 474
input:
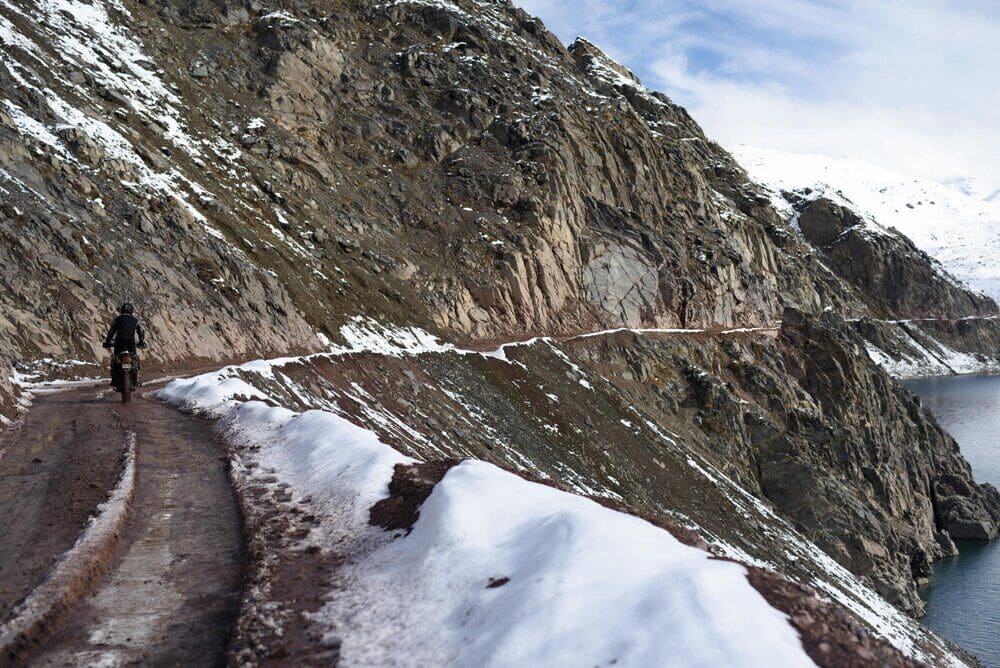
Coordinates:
column 54, row 472
column 170, row 591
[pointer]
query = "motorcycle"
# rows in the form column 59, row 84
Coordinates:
column 125, row 374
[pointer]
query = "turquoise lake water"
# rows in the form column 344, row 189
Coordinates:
column 963, row 599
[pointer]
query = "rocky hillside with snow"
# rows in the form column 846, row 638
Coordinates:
column 913, row 247
column 415, row 161
column 484, row 559
column 265, row 179
column 957, row 223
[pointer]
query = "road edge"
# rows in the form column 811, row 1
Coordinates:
column 77, row 569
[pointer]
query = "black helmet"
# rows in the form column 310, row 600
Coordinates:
column 127, row 308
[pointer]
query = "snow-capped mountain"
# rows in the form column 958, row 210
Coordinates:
column 958, row 223
column 971, row 187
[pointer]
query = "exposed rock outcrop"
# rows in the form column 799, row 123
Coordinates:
column 815, row 427
column 933, row 347
column 249, row 177
column 897, row 279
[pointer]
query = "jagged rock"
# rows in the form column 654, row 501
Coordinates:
column 849, row 456
column 822, row 221
column 946, row 544
column 439, row 144
column 198, row 69
column 895, row 276
column 963, row 516
column 407, row 158
column 146, row 225
column 621, row 281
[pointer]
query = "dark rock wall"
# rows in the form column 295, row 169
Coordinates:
column 454, row 166
column 494, row 182
column 806, row 420
column 896, row 278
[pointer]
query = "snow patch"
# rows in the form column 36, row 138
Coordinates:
column 498, row 571
column 564, row 597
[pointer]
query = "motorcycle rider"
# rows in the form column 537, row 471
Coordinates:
column 126, row 334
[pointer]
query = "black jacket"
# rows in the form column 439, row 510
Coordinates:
column 125, row 327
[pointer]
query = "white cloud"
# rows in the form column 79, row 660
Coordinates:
column 913, row 86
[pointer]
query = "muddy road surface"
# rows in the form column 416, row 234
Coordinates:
column 168, row 592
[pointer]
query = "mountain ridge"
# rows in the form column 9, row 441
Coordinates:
column 257, row 180
column 959, row 225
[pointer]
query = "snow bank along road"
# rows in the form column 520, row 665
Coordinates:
column 164, row 586
column 494, row 569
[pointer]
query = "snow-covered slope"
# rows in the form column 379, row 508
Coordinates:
column 322, row 436
column 579, row 584
column 958, row 223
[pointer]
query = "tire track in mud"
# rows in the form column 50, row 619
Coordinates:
column 171, row 590
column 76, row 571
column 58, row 466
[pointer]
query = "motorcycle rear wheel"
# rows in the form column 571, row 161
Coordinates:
column 126, row 385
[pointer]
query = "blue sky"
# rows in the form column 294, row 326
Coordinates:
column 909, row 85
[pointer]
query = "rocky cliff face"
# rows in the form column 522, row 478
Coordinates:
column 809, row 423
column 443, row 164
column 934, row 347
column 251, row 175
column 563, row 194
column 914, row 501
column 896, row 279
column 925, row 321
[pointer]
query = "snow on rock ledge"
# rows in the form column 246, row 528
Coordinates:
column 959, row 228
column 905, row 349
